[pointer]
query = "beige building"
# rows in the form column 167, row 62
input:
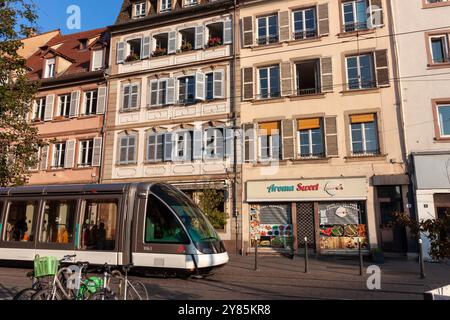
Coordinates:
column 322, row 145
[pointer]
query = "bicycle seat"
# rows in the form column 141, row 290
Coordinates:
column 128, row 267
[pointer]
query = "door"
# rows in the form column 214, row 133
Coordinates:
column 305, row 224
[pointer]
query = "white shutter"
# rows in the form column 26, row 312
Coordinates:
column 145, row 48
column 170, row 96
column 168, row 146
column 219, row 84
column 74, row 104
column 44, row 158
column 229, row 142
column 70, row 154
column 153, row 93
column 97, row 152
column 198, row 144
column 228, row 31
column 199, row 37
column 120, row 52
column 101, row 100
column 49, row 102
column 199, row 86
column 97, row 56
column 172, row 45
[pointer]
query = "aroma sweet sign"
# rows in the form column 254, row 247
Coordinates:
column 307, row 189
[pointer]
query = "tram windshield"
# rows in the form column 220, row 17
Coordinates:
column 196, row 223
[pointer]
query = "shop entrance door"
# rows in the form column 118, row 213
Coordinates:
column 305, row 224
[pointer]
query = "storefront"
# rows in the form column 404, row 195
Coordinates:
column 331, row 214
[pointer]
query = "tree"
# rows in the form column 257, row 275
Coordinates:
column 19, row 141
column 210, row 203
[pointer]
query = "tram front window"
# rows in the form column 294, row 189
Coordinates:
column 99, row 225
column 58, row 222
column 20, row 221
column 196, row 223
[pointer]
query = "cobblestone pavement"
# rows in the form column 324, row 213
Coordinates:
column 282, row 278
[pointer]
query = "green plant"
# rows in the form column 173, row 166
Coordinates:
column 159, row 52
column 210, row 203
column 186, row 47
column 132, row 57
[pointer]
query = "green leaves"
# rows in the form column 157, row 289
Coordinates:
column 211, row 201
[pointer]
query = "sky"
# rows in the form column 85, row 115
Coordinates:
column 94, row 14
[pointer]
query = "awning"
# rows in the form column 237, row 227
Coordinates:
column 361, row 118
column 307, row 124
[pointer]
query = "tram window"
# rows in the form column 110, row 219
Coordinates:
column 99, row 225
column 161, row 226
column 20, row 221
column 58, row 222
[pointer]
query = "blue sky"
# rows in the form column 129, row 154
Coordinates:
column 94, row 14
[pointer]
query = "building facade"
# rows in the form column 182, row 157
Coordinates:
column 423, row 48
column 323, row 157
column 70, row 106
column 171, row 113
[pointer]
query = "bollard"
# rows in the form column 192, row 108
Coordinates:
column 306, row 256
column 421, row 262
column 361, row 261
column 256, row 254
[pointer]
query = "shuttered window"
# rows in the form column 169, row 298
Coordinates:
column 214, row 143
column 39, row 111
column 364, row 134
column 311, row 138
column 304, row 23
column 86, row 153
column 269, row 141
column 155, row 147
column 130, row 99
column 269, row 82
column 360, row 72
column 268, row 30
column 59, row 154
column 90, row 102
column 127, row 149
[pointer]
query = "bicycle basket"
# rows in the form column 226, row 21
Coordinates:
column 45, row 266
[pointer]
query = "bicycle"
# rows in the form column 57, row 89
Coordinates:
column 105, row 293
column 130, row 290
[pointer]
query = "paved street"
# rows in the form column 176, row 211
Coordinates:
column 282, row 278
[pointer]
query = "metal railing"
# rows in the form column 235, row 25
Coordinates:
column 366, row 153
column 299, row 35
column 269, row 95
column 305, row 156
column 309, row 91
column 356, row 26
column 268, row 40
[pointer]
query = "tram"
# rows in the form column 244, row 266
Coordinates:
column 152, row 225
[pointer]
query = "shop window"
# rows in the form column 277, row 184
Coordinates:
column 99, row 225
column 342, row 225
column 20, row 221
column 58, row 222
column 161, row 225
column 308, row 77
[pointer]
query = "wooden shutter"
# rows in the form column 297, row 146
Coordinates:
column 97, row 152
column 70, row 154
column 283, row 18
column 198, row 144
column 74, row 104
column 327, row 74
column 101, row 101
column 331, row 137
column 135, row 97
column 126, row 91
column 219, row 84
column 324, row 23
column 44, row 158
column 159, row 146
column 228, row 31
column 199, row 86
column 170, row 96
column 120, row 52
column 146, row 48
column 249, row 143
column 286, row 79
column 151, row 147
column 49, row 102
column 153, row 93
column 276, row 148
column 376, row 14
column 382, row 68
column 247, row 31
column 247, row 84
column 168, row 145
column 188, row 152
column 229, row 143
column 287, row 127
column 172, row 44
column 199, row 37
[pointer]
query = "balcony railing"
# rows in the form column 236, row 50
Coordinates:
column 356, row 26
column 269, row 95
column 359, row 85
column 306, row 156
column 268, row 40
column 310, row 91
column 442, row 60
column 366, row 153
column 299, row 35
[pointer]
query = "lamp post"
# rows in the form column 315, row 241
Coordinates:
column 421, row 263
column 306, row 256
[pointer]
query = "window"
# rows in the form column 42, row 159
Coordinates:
column 20, row 221
column 364, row 135
column 155, row 147
column 440, row 49
column 50, row 68
column 91, row 102
column 444, row 119
column 39, row 112
column 64, row 106
column 86, row 153
column 59, row 154
column 267, row 30
column 166, row 5
column 183, row 146
column 189, row 3
column 130, row 97
column 161, row 45
column 216, row 34
column 134, row 50
column 355, row 15
column 99, row 224
column 308, row 77
column 140, row 9
column 269, row 141
column 311, row 138
column 187, row 90
column 161, row 225
column 187, row 39
column 158, row 93
column 214, row 140
column 269, row 82
column 97, row 60
column 305, row 25
column 127, row 149
column 360, row 72
column 58, row 222
column 210, row 86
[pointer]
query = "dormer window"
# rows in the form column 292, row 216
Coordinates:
column 83, row 44
column 190, row 3
column 50, row 68
column 97, row 60
column 166, row 5
column 140, row 9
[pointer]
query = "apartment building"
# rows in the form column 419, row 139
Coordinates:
column 70, row 105
column 422, row 32
column 170, row 114
column 323, row 158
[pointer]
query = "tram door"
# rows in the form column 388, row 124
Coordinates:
column 98, row 230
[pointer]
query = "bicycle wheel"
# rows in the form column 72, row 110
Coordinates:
column 103, row 296
column 25, row 294
column 137, row 291
column 46, row 294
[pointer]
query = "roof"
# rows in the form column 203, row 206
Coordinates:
column 67, row 47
